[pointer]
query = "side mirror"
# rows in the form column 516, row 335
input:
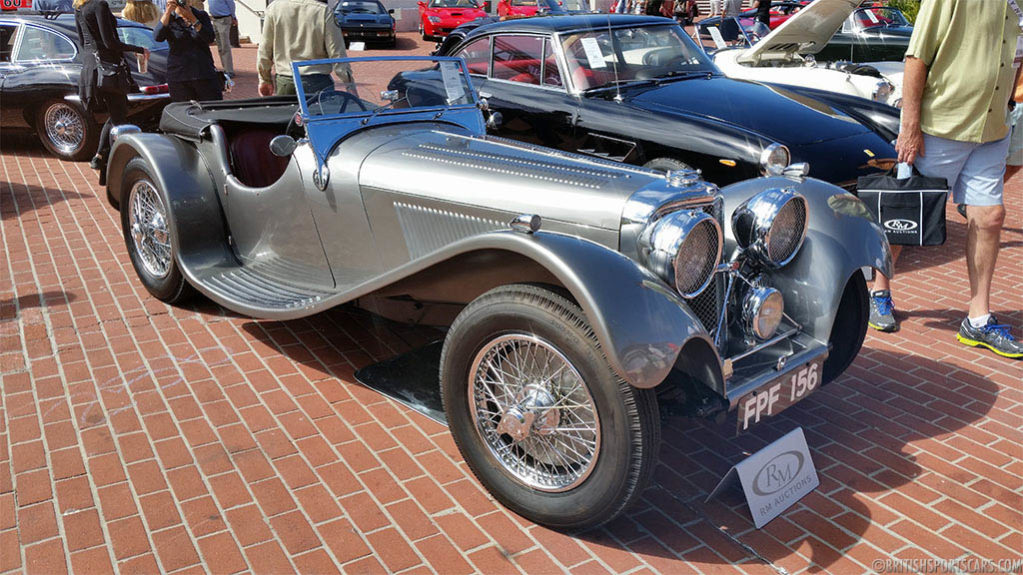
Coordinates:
column 283, row 146
column 390, row 11
column 494, row 120
column 486, row 6
column 421, row 4
column 484, row 105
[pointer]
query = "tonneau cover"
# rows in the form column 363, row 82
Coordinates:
column 188, row 119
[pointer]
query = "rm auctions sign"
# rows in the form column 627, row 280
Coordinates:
column 8, row 5
column 774, row 477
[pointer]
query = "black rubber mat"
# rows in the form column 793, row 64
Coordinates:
column 412, row 379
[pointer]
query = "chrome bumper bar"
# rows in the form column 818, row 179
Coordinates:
column 773, row 363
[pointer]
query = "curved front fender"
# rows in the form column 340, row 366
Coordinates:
column 842, row 238
column 640, row 323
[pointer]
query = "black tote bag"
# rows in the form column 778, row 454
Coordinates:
column 910, row 210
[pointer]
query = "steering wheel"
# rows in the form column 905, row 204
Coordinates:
column 326, row 98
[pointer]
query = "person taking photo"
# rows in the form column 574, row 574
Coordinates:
column 190, row 71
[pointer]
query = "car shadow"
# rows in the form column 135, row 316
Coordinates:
column 858, row 429
column 11, row 308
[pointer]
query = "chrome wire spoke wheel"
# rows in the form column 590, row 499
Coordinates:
column 534, row 412
column 148, row 225
column 64, row 127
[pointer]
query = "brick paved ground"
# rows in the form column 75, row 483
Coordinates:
column 139, row 437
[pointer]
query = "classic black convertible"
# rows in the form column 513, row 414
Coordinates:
column 637, row 90
column 40, row 63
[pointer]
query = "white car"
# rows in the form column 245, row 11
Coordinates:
column 785, row 56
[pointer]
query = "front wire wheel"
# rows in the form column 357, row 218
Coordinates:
column 538, row 414
column 532, row 409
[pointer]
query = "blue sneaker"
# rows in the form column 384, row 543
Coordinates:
column 882, row 311
column 994, row 336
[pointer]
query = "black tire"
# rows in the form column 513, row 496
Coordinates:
column 171, row 287
column 628, row 417
column 849, row 329
column 666, row 165
column 67, row 130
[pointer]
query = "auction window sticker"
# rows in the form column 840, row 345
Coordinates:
column 452, row 78
column 594, row 56
column 872, row 16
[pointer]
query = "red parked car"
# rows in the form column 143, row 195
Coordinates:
column 517, row 8
column 439, row 17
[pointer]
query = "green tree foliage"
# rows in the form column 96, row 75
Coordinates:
column 908, row 7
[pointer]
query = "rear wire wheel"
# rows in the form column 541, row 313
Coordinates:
column 148, row 234
column 539, row 415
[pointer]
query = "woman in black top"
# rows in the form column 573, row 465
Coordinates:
column 97, row 32
column 190, row 71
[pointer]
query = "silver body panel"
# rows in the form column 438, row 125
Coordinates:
column 407, row 198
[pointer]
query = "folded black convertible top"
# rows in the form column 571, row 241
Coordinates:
column 189, row 119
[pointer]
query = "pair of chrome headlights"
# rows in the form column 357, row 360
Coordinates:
column 684, row 249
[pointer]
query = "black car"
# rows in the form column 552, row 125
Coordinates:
column 637, row 90
column 40, row 66
column 365, row 21
column 870, row 34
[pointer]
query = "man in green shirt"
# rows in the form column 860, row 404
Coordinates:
column 958, row 79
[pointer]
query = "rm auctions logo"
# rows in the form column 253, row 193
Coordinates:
column 778, row 473
column 900, row 225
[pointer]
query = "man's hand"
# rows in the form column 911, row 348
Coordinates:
column 234, row 21
column 910, row 145
column 266, row 89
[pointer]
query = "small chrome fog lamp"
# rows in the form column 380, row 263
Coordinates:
column 774, row 159
column 762, row 310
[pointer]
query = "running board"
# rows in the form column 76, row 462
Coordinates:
column 261, row 287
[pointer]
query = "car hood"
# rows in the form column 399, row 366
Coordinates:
column 807, row 32
column 771, row 112
column 357, row 19
column 497, row 174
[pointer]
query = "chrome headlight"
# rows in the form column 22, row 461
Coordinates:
column 762, row 310
column 882, row 91
column 771, row 225
column 773, row 160
column 434, row 19
column 684, row 249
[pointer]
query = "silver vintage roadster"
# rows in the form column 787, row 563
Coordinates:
column 573, row 290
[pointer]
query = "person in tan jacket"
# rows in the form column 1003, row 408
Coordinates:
column 295, row 31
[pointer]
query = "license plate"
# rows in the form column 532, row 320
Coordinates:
column 777, row 395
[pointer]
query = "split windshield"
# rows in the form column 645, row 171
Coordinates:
column 601, row 58
column 411, row 84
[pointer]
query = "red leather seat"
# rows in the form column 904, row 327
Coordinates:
column 251, row 159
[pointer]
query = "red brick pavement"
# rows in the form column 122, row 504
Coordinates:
column 138, row 437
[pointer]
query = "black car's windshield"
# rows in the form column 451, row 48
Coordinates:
column 361, row 8
column 140, row 36
column 870, row 17
column 599, row 58
column 453, row 4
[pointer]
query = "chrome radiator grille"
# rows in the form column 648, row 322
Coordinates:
column 707, row 306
